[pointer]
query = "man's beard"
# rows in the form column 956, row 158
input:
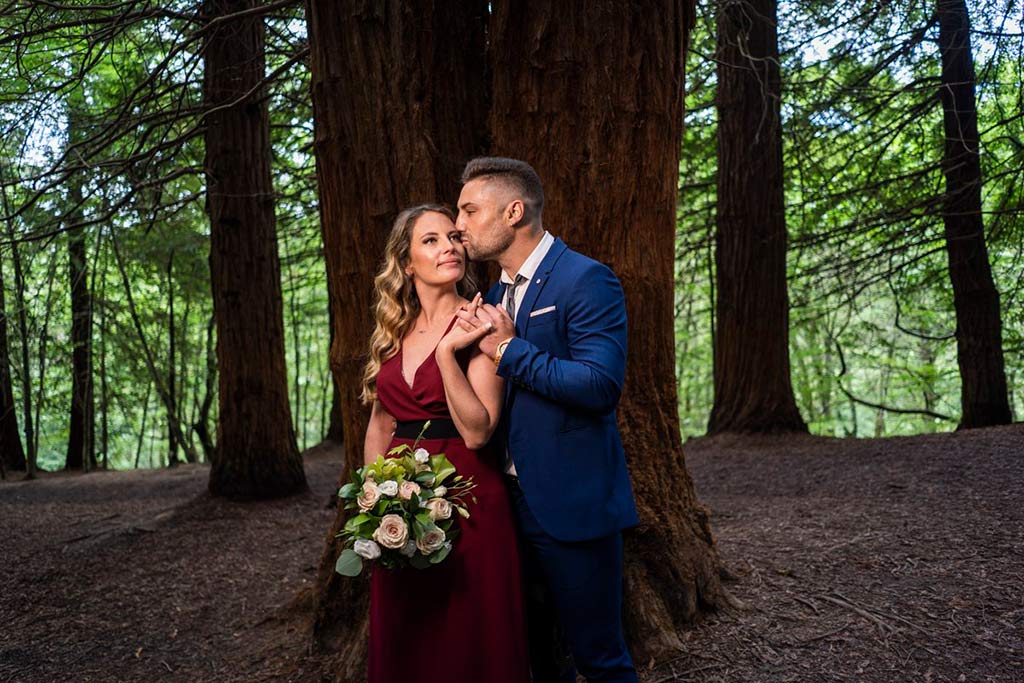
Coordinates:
column 491, row 249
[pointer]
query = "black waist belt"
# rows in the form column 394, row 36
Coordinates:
column 439, row 428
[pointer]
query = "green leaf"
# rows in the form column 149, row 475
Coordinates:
column 352, row 525
column 349, row 491
column 439, row 555
column 442, row 467
column 424, row 478
column 349, row 564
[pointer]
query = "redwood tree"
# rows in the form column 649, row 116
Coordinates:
column 591, row 94
column 255, row 455
column 399, row 102
column 753, row 390
column 983, row 395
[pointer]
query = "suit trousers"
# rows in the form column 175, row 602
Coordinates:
column 584, row 581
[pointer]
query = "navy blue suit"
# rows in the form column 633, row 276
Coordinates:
column 564, row 371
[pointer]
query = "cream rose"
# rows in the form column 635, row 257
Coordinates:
column 366, row 549
column 407, row 488
column 430, row 541
column 392, row 533
column 388, row 488
column 421, row 455
column 439, row 508
column 369, row 497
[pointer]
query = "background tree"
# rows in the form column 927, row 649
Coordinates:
column 978, row 326
column 594, row 103
column 256, row 455
column 753, row 389
column 382, row 143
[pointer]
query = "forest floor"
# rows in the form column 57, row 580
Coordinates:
column 893, row 559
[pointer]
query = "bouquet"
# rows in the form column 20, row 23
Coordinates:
column 405, row 510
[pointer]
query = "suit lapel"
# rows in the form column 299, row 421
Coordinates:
column 540, row 278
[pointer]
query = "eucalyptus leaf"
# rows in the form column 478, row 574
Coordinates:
column 349, row 564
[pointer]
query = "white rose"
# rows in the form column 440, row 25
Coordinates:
column 440, row 491
column 392, row 533
column 407, row 489
column 366, row 549
column 421, row 455
column 369, row 497
column 430, row 541
column 388, row 488
column 409, row 549
column 439, row 508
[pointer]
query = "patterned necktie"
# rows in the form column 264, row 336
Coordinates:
column 510, row 296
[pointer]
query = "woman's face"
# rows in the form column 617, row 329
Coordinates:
column 436, row 254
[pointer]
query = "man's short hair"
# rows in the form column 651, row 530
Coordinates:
column 517, row 174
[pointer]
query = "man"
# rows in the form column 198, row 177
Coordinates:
column 559, row 340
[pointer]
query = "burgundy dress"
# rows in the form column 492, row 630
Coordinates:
column 461, row 620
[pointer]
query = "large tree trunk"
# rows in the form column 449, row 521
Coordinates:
column 591, row 94
column 983, row 395
column 753, row 390
column 335, row 431
column 12, row 455
column 399, row 101
column 256, row 456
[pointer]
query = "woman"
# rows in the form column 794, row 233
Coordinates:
column 461, row 620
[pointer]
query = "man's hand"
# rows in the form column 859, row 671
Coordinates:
column 476, row 316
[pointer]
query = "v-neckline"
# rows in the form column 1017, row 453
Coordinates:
column 416, row 372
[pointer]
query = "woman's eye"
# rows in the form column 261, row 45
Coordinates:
column 455, row 237
column 429, row 240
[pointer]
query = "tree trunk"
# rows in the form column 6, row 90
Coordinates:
column 983, row 395
column 172, row 380
column 12, row 455
column 399, row 102
column 202, row 422
column 256, row 456
column 591, row 94
column 753, row 389
column 80, row 453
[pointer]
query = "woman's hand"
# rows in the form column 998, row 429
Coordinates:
column 459, row 338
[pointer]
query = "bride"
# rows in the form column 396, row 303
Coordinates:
column 460, row 620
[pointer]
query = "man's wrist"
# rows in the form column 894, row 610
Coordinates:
column 499, row 351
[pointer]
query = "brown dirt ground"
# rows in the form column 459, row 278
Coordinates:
column 855, row 560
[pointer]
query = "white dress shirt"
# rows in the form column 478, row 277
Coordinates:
column 527, row 270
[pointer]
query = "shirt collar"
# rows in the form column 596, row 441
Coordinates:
column 533, row 261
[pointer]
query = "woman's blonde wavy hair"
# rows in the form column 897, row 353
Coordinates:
column 397, row 305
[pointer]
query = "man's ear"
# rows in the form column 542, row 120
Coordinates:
column 515, row 211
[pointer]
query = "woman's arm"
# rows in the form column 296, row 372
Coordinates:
column 378, row 433
column 474, row 396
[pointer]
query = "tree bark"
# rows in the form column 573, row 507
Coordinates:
column 591, row 94
column 172, row 380
column 753, row 389
column 983, row 395
column 256, row 455
column 399, row 102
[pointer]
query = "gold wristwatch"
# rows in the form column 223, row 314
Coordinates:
column 500, row 351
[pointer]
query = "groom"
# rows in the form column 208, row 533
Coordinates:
column 559, row 341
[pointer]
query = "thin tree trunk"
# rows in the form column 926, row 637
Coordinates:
column 43, row 337
column 202, row 424
column 172, row 381
column 142, row 429
column 255, row 455
column 399, row 101
column 591, row 94
column 979, row 341
column 753, row 389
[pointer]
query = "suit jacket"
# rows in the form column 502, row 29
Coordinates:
column 564, row 372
